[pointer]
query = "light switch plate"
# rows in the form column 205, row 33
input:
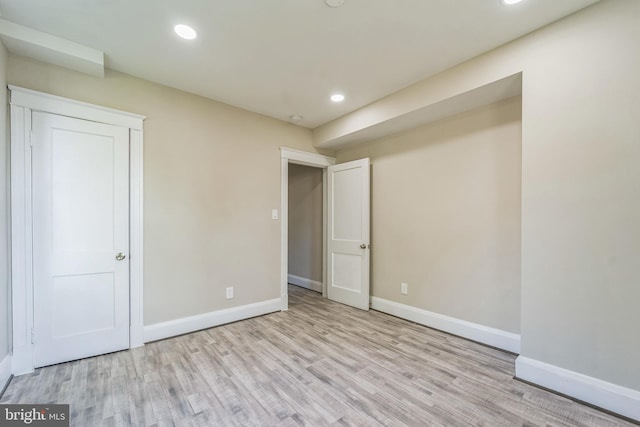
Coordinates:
column 274, row 214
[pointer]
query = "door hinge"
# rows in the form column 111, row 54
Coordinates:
column 33, row 335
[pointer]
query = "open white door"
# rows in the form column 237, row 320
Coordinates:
column 348, row 233
column 80, row 238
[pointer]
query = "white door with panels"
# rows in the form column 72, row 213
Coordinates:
column 348, row 233
column 80, row 192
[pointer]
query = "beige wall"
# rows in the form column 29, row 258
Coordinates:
column 305, row 222
column 211, row 176
column 580, row 175
column 581, row 194
column 446, row 215
column 5, row 301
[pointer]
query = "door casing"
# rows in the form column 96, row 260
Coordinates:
column 289, row 155
column 23, row 102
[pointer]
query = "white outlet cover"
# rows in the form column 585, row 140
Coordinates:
column 404, row 288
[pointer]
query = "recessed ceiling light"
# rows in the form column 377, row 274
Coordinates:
column 510, row 2
column 337, row 97
column 185, row 31
column 334, row 3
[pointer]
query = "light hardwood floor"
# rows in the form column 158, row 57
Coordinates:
column 318, row 364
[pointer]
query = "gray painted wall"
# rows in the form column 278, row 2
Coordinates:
column 305, row 222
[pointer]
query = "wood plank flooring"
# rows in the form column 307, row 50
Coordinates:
column 318, row 364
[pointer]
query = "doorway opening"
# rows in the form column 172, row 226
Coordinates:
column 297, row 158
column 345, row 227
column 305, row 227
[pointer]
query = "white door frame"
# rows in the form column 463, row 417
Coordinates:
column 23, row 102
column 289, row 155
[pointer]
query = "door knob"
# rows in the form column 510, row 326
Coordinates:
column 120, row 256
column 363, row 246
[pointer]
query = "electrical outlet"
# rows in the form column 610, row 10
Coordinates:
column 404, row 288
column 230, row 292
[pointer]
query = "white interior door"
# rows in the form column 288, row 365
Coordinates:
column 348, row 233
column 80, row 238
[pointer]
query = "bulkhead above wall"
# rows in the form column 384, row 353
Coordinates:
column 386, row 117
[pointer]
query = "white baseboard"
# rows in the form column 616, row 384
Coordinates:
column 22, row 359
column 473, row 331
column 612, row 397
column 304, row 282
column 159, row 331
column 5, row 371
column 136, row 336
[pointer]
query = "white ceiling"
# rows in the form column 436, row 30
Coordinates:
column 285, row 57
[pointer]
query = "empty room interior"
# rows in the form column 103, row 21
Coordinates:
column 320, row 212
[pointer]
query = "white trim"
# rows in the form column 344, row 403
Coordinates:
column 325, row 227
column 612, row 397
column 172, row 328
column 303, row 282
column 136, row 242
column 48, row 103
column 23, row 102
column 21, row 241
column 305, row 158
column 473, row 331
column 284, row 232
column 5, row 371
column 289, row 155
